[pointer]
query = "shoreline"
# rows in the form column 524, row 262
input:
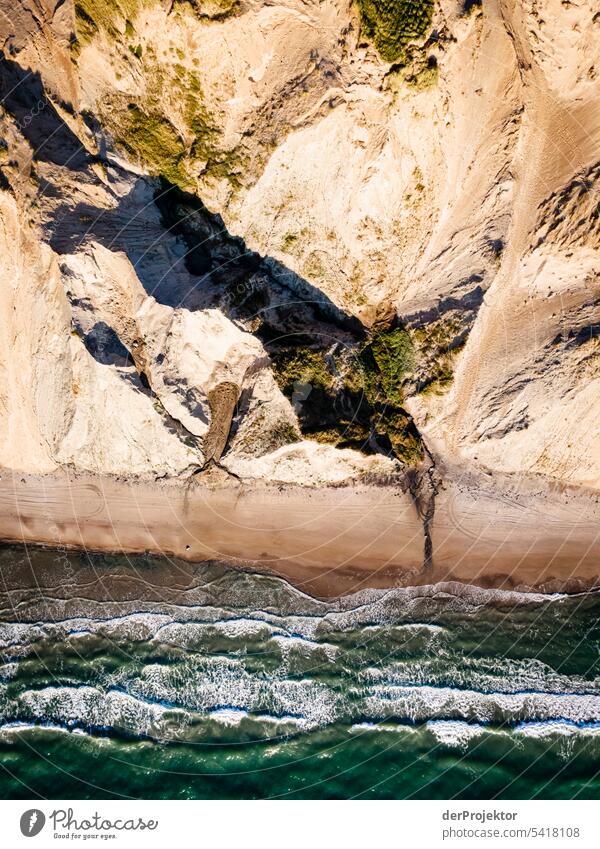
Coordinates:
column 517, row 534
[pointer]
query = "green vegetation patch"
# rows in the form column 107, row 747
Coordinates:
column 91, row 16
column 437, row 347
column 416, row 71
column 353, row 399
column 328, row 408
column 170, row 129
column 394, row 356
column 170, row 148
column 203, row 126
column 393, row 24
column 301, row 365
column 386, row 364
column 404, row 438
column 215, row 8
column 155, row 142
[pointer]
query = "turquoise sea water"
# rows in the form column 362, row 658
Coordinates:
column 242, row 687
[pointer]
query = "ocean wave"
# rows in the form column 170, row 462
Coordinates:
column 268, row 724
column 553, row 728
column 8, row 670
column 208, row 683
column 91, row 708
column 164, row 711
column 455, row 733
column 427, row 702
column 193, row 635
column 383, row 727
column 195, row 626
column 277, row 662
column 288, row 643
column 484, row 674
column 10, row 729
column 281, row 607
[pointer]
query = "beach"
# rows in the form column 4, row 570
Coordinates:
column 152, row 677
column 329, row 541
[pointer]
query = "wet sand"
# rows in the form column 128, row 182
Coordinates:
column 327, row 542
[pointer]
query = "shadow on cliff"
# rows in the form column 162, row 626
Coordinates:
column 22, row 95
column 184, row 256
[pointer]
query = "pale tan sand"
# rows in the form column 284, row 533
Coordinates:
column 517, row 531
column 328, row 541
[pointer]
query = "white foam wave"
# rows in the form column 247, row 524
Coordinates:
column 455, row 733
column 484, row 674
column 93, row 708
column 8, row 671
column 211, row 683
column 394, row 727
column 289, row 642
column 9, row 729
column 409, row 627
column 228, row 716
column 426, row 702
column 553, row 728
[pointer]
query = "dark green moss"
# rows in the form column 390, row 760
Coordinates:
column 346, row 434
column 423, row 73
column 387, row 360
column 288, row 241
column 145, row 132
column 386, row 364
column 155, row 142
column 327, row 409
column 353, row 400
column 440, row 372
column 224, row 165
column 287, row 434
column 85, row 25
column 301, row 364
column 397, row 427
column 221, row 164
column 392, row 24
column 471, row 6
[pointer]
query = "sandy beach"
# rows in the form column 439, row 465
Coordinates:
column 327, row 541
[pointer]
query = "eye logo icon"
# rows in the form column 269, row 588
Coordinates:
column 32, row 822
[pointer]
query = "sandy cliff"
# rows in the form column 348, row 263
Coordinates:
column 311, row 244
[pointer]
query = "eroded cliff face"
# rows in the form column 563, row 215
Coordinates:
column 302, row 240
